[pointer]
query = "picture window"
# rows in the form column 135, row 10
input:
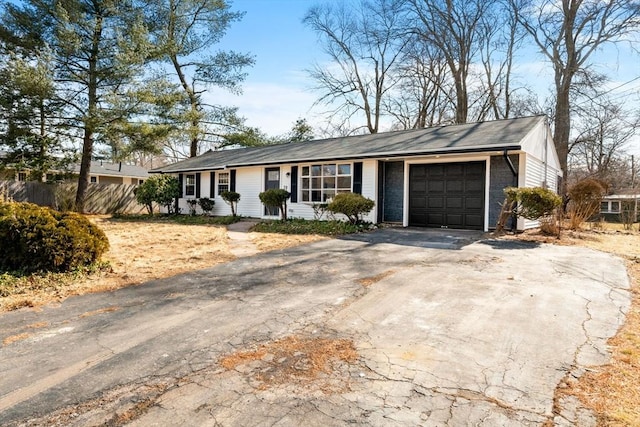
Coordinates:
column 320, row 183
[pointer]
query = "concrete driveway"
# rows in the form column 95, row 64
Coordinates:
column 450, row 329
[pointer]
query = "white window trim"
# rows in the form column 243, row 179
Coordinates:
column 321, row 164
column 219, row 183
column 186, row 185
column 609, row 207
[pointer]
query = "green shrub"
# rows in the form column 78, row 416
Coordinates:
column 146, row 193
column 352, row 205
column 206, row 204
column 533, row 203
column 302, row 226
column 276, row 198
column 161, row 189
column 193, row 203
column 36, row 238
column 231, row 198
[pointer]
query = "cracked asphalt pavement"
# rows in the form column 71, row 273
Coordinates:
column 450, row 328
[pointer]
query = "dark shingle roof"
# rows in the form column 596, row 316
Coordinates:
column 470, row 137
column 114, row 169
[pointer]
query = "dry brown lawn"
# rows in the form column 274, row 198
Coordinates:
column 611, row 391
column 143, row 251
column 296, row 360
column 265, row 242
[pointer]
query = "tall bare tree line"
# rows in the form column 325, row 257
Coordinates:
column 456, row 61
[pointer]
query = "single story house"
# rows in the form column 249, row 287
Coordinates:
column 445, row 176
column 620, row 207
column 101, row 173
column 114, row 173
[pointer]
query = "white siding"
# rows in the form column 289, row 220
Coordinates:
column 535, row 173
column 249, row 183
column 370, row 186
column 205, row 184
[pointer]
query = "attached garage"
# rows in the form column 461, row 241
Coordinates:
column 447, row 195
column 441, row 177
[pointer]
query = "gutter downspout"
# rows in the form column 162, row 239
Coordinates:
column 514, row 220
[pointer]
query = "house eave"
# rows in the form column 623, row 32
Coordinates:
column 448, row 151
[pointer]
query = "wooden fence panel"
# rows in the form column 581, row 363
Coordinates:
column 101, row 198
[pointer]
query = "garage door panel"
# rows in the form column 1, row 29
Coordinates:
column 474, row 221
column 434, row 186
column 435, row 171
column 419, row 202
column 436, row 203
column 447, row 195
column 435, row 219
column 474, row 203
column 421, row 185
column 455, row 203
column 454, row 169
column 455, row 186
column 475, row 185
column 476, row 168
column 455, row 220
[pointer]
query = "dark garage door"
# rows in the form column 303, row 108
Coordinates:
column 447, row 195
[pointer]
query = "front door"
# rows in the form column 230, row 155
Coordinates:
column 271, row 180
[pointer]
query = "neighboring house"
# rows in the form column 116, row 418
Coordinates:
column 101, row 173
column 446, row 176
column 114, row 173
column 616, row 206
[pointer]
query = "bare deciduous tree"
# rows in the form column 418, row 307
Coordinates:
column 454, row 27
column 604, row 129
column 568, row 32
column 363, row 42
column 502, row 36
column 423, row 96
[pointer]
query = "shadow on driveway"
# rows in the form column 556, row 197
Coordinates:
column 428, row 238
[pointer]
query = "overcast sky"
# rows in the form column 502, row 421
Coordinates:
column 278, row 91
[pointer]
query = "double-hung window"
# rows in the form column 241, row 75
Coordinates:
column 190, row 185
column 321, row 182
column 223, row 182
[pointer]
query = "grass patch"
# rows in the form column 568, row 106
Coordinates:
column 294, row 360
column 179, row 219
column 19, row 290
column 303, row 226
column 368, row 281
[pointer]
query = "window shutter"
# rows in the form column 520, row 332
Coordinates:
column 294, row 184
column 180, row 183
column 212, row 185
column 357, row 177
column 198, row 185
column 232, row 180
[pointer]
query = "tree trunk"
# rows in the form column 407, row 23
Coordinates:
column 85, row 169
column 90, row 118
column 461, row 99
column 562, row 128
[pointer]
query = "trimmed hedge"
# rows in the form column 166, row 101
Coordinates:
column 533, row 203
column 352, row 205
column 276, row 198
column 35, row 238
